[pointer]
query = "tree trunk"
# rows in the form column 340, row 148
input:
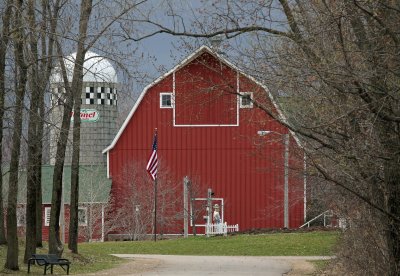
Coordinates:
column 392, row 177
column 45, row 69
column 55, row 245
column 3, row 49
column 86, row 9
column 39, row 202
column 392, row 181
column 12, row 238
column 73, row 222
column 34, row 164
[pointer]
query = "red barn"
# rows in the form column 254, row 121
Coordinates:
column 211, row 128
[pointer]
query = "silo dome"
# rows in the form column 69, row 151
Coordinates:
column 95, row 69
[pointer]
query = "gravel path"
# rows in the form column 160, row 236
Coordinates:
column 151, row 265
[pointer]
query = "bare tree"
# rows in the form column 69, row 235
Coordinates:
column 86, row 10
column 133, row 210
column 196, row 209
column 83, row 45
column 19, row 42
column 4, row 39
column 349, row 126
column 133, row 213
column 38, row 78
column 33, row 164
column 337, row 65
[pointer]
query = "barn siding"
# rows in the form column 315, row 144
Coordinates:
column 227, row 159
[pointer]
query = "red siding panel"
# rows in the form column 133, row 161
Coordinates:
column 203, row 98
column 241, row 167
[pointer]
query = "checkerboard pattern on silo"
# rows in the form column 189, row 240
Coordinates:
column 100, row 96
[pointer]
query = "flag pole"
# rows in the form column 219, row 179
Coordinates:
column 152, row 169
column 155, row 209
column 155, row 199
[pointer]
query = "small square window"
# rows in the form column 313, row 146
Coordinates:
column 166, row 100
column 82, row 216
column 246, row 100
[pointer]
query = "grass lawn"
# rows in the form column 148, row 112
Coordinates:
column 95, row 256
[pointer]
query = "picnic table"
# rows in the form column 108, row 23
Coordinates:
column 48, row 261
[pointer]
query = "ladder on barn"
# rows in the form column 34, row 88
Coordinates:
column 221, row 229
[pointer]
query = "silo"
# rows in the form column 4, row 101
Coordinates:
column 98, row 110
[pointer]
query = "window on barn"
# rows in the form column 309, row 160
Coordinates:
column 166, row 100
column 246, row 99
column 21, row 216
column 82, row 216
column 47, row 216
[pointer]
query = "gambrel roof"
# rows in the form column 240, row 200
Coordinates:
column 203, row 49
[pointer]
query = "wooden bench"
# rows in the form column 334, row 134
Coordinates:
column 48, row 261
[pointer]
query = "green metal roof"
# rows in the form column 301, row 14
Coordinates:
column 94, row 186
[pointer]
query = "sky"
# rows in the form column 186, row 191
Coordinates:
column 165, row 51
column 156, row 55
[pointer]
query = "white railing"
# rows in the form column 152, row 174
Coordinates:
column 221, row 229
column 326, row 214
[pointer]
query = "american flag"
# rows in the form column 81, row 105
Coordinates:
column 152, row 165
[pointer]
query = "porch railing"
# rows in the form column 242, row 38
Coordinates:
column 220, row 229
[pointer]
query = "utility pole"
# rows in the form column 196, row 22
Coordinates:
column 286, row 183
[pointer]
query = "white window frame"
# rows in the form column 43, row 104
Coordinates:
column 86, row 218
column 46, row 217
column 21, row 216
column 241, row 105
column 172, row 99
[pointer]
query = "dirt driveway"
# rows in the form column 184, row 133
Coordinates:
column 151, row 265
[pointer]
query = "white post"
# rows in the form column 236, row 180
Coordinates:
column 209, row 207
column 185, row 206
column 305, row 187
column 137, row 214
column 62, row 213
column 286, row 184
column 102, row 222
column 222, row 210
